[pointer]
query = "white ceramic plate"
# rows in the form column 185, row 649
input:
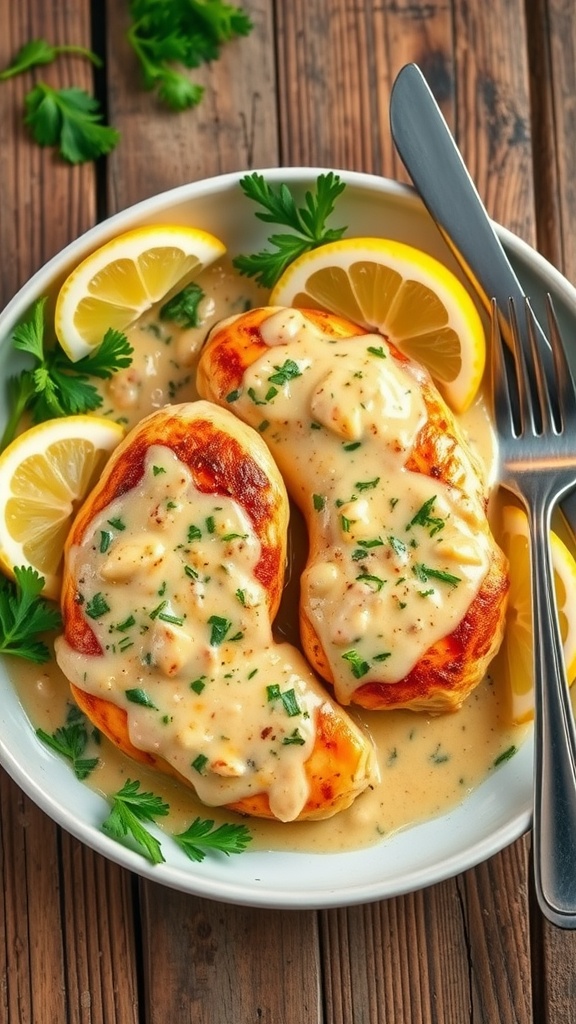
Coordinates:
column 494, row 815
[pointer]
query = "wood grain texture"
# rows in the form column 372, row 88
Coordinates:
column 552, row 51
column 228, row 964
column 234, row 126
column 310, row 85
column 35, row 180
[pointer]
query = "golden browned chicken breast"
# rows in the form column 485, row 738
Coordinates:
column 173, row 572
column 404, row 592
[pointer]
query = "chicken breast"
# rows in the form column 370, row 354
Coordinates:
column 403, row 596
column 173, row 573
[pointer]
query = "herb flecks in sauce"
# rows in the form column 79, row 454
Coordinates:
column 385, row 580
column 187, row 635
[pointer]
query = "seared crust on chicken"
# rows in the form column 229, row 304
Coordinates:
column 174, row 569
column 234, row 370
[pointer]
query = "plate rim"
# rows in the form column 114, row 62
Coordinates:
column 186, row 878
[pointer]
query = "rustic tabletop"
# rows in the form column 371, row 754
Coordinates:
column 83, row 940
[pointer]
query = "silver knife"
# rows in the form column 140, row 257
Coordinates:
column 440, row 176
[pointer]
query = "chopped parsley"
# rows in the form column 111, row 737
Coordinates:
column 139, row 696
column 97, row 606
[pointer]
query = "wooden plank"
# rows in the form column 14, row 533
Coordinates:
column 100, row 934
column 227, row 964
column 336, row 65
column 46, row 202
column 233, row 128
column 552, row 49
column 66, row 948
column 397, row 960
column 31, row 946
column 495, row 900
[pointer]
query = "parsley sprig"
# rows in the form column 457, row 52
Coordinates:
column 54, row 385
column 202, row 836
column 70, row 119
column 24, row 615
column 181, row 32
column 39, row 51
column 70, row 740
column 307, row 224
column 130, row 808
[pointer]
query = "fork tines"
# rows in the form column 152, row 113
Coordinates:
column 532, row 381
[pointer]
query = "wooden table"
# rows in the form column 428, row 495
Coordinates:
column 82, row 940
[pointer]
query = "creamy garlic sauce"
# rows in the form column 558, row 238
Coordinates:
column 165, row 353
column 427, row 764
column 166, row 576
column 401, row 555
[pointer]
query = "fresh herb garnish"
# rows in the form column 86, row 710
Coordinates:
column 358, row 665
column 71, row 740
column 294, row 739
column 70, row 119
column 139, row 696
column 202, row 835
column 24, row 614
column 425, row 518
column 425, row 573
column 288, row 698
column 307, row 224
column 184, row 32
column 130, row 808
column 199, row 763
column 505, row 756
column 39, row 51
column 367, row 485
column 282, row 374
column 56, row 386
column 220, row 627
column 97, row 606
column 375, row 582
column 182, row 308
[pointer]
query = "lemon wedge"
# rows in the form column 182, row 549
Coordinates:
column 514, row 661
column 405, row 294
column 45, row 474
column 113, row 286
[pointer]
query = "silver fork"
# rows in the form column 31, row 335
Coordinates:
column 535, row 412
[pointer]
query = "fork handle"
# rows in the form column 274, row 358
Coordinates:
column 554, row 826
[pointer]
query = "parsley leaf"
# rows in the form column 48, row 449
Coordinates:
column 182, row 308
column 24, row 614
column 308, row 224
column 69, row 119
column 71, row 741
column 39, row 51
column 202, row 836
column 130, row 808
column 56, row 386
column 185, row 32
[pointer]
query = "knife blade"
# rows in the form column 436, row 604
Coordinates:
column 441, row 178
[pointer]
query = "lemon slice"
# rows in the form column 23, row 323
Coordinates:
column 45, row 474
column 515, row 656
column 407, row 295
column 116, row 284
